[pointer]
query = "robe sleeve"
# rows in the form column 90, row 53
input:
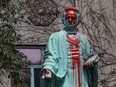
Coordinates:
column 50, row 60
column 92, row 73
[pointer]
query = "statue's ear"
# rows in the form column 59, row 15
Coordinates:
column 79, row 15
column 63, row 17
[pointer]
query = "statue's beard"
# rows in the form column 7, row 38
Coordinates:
column 72, row 26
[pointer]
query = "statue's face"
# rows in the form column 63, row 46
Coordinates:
column 71, row 17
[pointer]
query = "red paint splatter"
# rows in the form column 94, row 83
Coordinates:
column 75, row 55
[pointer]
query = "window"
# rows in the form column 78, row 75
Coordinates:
column 34, row 53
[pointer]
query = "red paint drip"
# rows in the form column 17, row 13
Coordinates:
column 75, row 55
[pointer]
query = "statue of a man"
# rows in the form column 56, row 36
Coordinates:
column 69, row 59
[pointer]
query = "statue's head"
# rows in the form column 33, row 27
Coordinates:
column 71, row 17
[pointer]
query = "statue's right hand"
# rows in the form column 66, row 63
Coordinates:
column 46, row 74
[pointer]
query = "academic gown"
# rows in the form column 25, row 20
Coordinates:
column 57, row 60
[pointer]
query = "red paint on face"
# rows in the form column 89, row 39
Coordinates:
column 71, row 15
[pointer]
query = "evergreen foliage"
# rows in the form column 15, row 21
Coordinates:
column 11, row 60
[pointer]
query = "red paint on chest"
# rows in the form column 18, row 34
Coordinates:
column 75, row 55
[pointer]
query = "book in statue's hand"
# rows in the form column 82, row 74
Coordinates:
column 91, row 60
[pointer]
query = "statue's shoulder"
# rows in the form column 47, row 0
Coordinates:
column 55, row 34
column 86, row 38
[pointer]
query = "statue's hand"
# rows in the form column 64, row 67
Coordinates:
column 89, row 62
column 88, row 65
column 46, row 74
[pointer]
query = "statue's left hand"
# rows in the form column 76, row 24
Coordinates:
column 88, row 65
column 89, row 62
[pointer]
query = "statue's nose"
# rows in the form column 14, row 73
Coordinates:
column 70, row 20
